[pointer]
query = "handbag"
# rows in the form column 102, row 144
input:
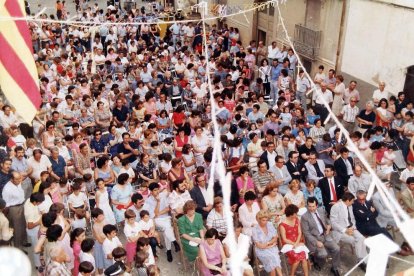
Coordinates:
column 215, row 272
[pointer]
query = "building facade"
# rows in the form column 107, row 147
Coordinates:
column 365, row 40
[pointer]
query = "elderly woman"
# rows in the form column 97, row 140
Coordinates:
column 216, row 219
column 293, row 246
column 312, row 190
column 248, row 211
column 273, row 203
column 265, row 244
column 295, row 195
column 191, row 230
column 121, row 196
column 317, row 131
column 212, row 254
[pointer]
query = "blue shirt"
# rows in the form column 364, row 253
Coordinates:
column 58, row 166
column 99, row 146
column 275, row 72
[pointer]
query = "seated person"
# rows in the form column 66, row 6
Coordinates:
column 292, row 240
column 365, row 216
column 191, row 230
column 265, row 244
column 212, row 254
column 243, row 244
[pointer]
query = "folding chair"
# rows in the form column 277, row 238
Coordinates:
column 178, row 239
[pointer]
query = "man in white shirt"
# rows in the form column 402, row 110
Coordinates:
column 380, row 93
column 13, row 194
column 359, row 181
column 7, row 117
column 158, row 208
column 406, row 173
column 349, row 113
column 273, row 51
column 178, row 197
column 33, row 220
column 39, row 163
column 320, row 108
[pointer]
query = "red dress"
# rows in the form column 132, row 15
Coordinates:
column 180, row 143
column 292, row 233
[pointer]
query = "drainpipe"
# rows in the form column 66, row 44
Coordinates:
column 340, row 36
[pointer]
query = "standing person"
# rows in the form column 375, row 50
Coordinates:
column 317, row 231
column 59, row 9
column 20, row 165
column 344, row 166
column 6, row 233
column 302, row 87
column 338, row 91
column 264, row 74
column 121, row 196
column 33, row 219
column 13, row 194
column 5, row 172
column 102, row 201
column 349, row 113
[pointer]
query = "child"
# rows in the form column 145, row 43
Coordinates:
column 126, row 168
column 64, row 189
column 285, row 117
column 163, row 183
column 86, row 268
column 110, row 243
column 154, row 152
column 87, row 253
column 78, row 200
column 76, row 238
column 31, row 144
column 119, row 255
column 143, row 190
column 98, row 235
column 154, row 270
column 90, row 188
column 147, row 230
column 140, row 260
column 165, row 164
column 79, row 221
column 55, row 192
column 167, row 146
column 102, row 201
column 143, row 246
column 131, row 231
column 44, row 175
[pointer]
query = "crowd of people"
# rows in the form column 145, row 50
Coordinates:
column 116, row 164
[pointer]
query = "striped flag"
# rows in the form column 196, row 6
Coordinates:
column 18, row 73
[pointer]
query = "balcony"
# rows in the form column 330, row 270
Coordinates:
column 307, row 41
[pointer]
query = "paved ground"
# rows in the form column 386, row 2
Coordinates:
column 176, row 268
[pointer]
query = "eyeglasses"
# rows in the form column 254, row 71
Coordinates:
column 97, row 134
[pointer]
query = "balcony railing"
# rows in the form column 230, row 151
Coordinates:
column 307, row 41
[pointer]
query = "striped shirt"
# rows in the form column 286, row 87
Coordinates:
column 349, row 113
column 261, row 180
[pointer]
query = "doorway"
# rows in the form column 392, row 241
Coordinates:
column 261, row 36
column 409, row 83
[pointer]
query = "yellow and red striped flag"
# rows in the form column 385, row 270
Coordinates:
column 18, row 73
